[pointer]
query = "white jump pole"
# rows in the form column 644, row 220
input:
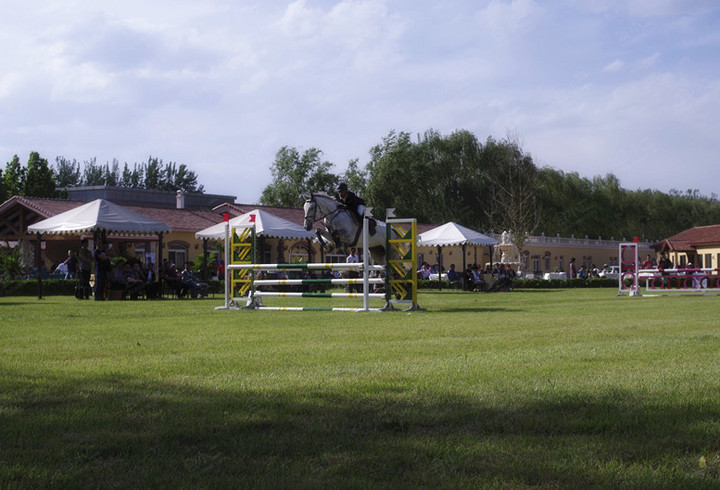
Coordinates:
column 227, row 270
column 366, row 260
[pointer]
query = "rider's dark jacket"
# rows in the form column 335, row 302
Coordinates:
column 352, row 202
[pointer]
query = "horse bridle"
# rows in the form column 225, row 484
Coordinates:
column 335, row 211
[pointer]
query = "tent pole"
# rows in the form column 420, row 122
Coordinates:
column 205, row 260
column 158, row 266
column 38, row 259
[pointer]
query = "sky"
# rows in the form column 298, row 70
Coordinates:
column 628, row 87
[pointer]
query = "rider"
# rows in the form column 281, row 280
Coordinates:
column 354, row 204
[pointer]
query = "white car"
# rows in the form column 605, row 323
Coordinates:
column 610, row 272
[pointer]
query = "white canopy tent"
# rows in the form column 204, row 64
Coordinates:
column 452, row 234
column 96, row 216
column 266, row 224
column 99, row 215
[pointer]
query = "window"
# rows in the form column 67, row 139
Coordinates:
column 708, row 261
column 536, row 263
column 177, row 255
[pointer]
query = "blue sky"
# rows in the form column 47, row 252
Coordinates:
column 595, row 87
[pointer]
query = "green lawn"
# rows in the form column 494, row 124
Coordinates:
column 537, row 388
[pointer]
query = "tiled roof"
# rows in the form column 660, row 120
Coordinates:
column 188, row 220
column 700, row 235
column 689, row 240
column 44, row 207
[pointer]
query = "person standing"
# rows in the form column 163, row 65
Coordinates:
column 85, row 260
column 102, row 268
column 352, row 274
column 573, row 270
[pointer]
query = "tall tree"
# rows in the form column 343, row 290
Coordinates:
column 14, row 177
column 111, row 173
column 153, row 173
column 93, row 174
column 39, row 178
column 295, row 175
column 355, row 178
column 67, row 173
column 513, row 197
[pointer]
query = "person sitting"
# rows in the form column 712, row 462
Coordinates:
column 453, row 276
column 191, row 284
column 424, row 271
column 478, row 281
column 152, row 286
column 118, row 283
column 354, row 204
column 171, row 276
column 135, row 283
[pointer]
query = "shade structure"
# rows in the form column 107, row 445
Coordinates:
column 451, row 234
column 266, row 224
column 99, row 215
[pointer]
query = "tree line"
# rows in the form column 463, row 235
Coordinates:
column 40, row 179
column 489, row 186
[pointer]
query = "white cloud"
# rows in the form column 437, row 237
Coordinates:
column 616, row 65
column 221, row 85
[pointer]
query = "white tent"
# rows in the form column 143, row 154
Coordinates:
column 451, row 234
column 99, row 215
column 266, row 224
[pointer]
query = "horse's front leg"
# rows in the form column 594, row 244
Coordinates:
column 325, row 239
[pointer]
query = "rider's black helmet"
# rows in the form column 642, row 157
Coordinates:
column 342, row 186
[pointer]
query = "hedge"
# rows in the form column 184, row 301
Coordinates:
column 65, row 287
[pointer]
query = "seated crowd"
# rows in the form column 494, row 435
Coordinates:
column 131, row 279
column 183, row 283
column 475, row 278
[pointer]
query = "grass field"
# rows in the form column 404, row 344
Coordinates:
column 538, row 388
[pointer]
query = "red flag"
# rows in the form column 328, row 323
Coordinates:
column 226, row 216
column 252, row 218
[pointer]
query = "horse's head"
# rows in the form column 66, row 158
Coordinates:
column 310, row 208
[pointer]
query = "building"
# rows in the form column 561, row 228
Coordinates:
column 699, row 246
column 187, row 214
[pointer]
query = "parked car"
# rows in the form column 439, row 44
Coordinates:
column 610, row 272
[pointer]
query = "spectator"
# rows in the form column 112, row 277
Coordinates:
column 102, row 269
column 453, row 276
column 71, row 264
column 664, row 262
column 85, row 259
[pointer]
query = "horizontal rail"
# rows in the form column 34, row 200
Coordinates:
column 281, row 294
column 298, row 282
column 310, row 308
column 319, row 265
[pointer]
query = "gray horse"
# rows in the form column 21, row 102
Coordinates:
column 343, row 228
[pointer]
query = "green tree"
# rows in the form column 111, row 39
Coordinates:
column 186, row 180
column 93, row 174
column 39, row 178
column 67, row 173
column 111, row 173
column 153, row 173
column 513, row 194
column 355, row 178
column 14, row 178
column 295, row 175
